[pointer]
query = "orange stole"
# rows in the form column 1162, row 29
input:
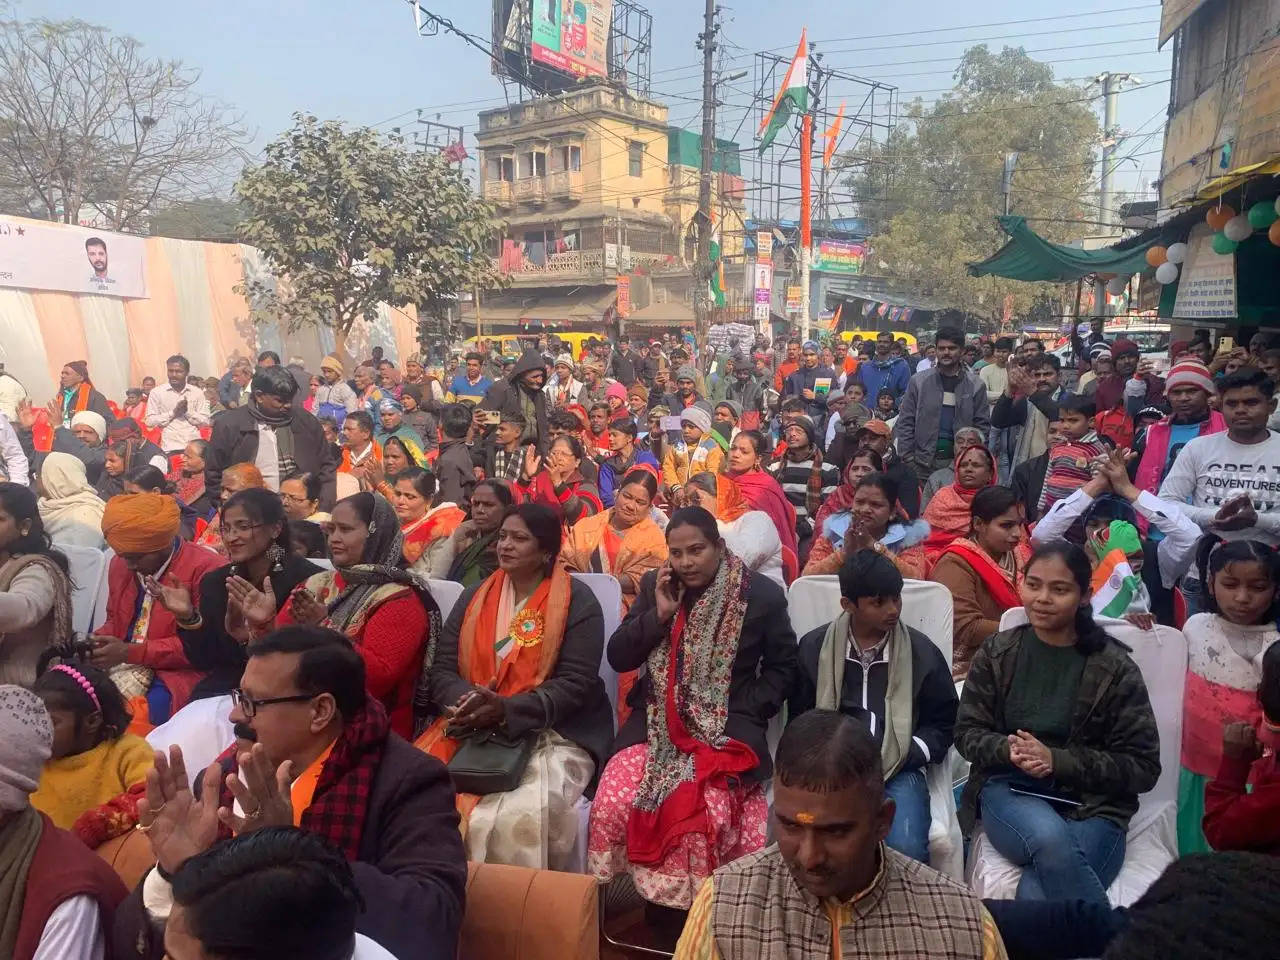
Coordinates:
column 525, row 667
column 431, row 528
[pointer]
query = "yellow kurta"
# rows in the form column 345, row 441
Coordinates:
column 81, row 782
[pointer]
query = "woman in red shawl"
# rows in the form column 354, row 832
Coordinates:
column 864, row 461
column 948, row 512
column 762, row 492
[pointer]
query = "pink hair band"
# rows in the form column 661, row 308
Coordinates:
column 79, row 678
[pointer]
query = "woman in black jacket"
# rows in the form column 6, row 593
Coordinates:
column 212, row 627
column 298, row 437
column 683, row 791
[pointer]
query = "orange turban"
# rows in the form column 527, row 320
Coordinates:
column 141, row 522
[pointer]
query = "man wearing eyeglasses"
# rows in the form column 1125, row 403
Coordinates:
column 314, row 750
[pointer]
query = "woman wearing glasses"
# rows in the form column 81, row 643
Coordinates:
column 255, row 535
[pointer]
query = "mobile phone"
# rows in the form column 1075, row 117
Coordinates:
column 672, row 423
column 490, row 418
column 1226, row 344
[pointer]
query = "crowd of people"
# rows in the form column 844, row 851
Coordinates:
column 274, row 537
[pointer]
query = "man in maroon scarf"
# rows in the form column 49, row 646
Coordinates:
column 313, row 750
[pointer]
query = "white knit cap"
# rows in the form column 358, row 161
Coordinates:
column 26, row 742
column 95, row 421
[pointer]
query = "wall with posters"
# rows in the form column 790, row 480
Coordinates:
column 190, row 307
column 572, row 35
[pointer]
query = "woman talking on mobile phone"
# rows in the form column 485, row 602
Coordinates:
column 1057, row 725
column 683, row 791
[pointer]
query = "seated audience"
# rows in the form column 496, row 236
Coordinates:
column 748, row 534
column 835, row 514
column 426, row 523
column 138, row 642
column 983, row 572
column 874, row 524
column 59, row 898
column 301, row 497
column 1027, row 482
column 69, row 506
column 1227, row 644
column 623, row 457
column 700, row 452
column 1242, row 801
column 301, row 711
column 948, row 513
column 805, row 477
column 965, row 438
column 829, row 886
column 147, row 479
column 624, row 541
column 520, row 655
column 190, row 484
column 475, row 541
column 211, row 622
column 308, row 540
column 1069, row 463
column 891, row 678
column 746, row 462
column 85, row 439
column 88, row 784
column 1057, row 726
column 560, row 482
column 391, row 424
column 684, row 789
column 281, row 889
column 386, row 611
column 35, row 591
column 242, row 476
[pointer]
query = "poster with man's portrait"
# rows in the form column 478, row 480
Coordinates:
column 36, row 256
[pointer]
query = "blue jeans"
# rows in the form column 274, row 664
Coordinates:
column 909, row 834
column 1193, row 593
column 1061, row 859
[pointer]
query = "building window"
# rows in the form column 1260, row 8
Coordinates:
column 566, row 159
column 635, row 159
column 532, row 165
column 499, row 168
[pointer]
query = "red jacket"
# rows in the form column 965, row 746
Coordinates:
column 161, row 649
column 1237, row 820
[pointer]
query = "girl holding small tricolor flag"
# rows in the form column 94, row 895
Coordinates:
column 1226, row 646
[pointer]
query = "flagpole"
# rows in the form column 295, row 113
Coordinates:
column 806, row 219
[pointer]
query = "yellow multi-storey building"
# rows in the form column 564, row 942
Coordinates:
column 592, row 185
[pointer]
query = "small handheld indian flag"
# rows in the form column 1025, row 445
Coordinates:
column 793, row 97
column 1115, row 585
column 717, row 264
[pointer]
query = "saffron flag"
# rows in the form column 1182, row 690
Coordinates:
column 793, row 97
column 832, row 137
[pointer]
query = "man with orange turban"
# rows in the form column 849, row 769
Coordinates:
column 138, row 643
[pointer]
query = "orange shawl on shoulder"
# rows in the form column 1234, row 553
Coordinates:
column 538, row 629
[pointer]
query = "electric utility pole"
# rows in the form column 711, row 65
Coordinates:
column 702, row 269
column 1110, row 83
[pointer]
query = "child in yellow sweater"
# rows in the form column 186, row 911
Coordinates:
column 96, row 773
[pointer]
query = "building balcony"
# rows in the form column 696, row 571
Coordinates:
column 565, row 185
column 499, row 193
column 531, row 190
column 572, row 266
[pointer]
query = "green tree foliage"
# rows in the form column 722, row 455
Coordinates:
column 208, row 219
column 348, row 219
column 932, row 192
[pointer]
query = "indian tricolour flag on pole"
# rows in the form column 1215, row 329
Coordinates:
column 792, row 98
column 717, row 264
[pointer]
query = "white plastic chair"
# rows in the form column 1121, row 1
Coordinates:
column 608, row 592
column 203, row 730
column 87, row 565
column 1152, row 842
column 927, row 607
column 104, row 590
column 446, row 594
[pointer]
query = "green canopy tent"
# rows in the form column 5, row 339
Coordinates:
column 1028, row 256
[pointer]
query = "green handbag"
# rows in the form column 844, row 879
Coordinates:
column 490, row 762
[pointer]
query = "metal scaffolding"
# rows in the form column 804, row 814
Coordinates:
column 870, row 113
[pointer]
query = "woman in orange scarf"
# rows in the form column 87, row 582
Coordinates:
column 749, row 534
column 624, row 540
column 427, row 527
column 948, row 510
column 522, row 652
column 983, row 571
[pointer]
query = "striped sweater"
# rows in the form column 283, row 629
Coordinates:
column 793, row 477
column 1069, row 468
